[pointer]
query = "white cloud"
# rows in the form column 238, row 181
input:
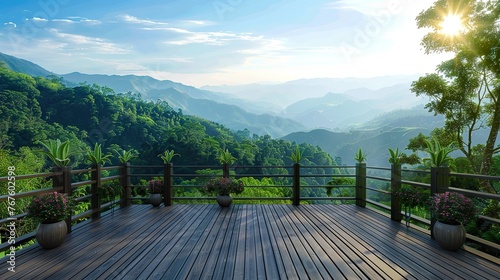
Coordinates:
column 10, row 24
column 87, row 43
column 132, row 19
column 39, row 19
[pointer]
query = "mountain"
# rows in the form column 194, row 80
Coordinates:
column 230, row 116
column 218, row 107
column 24, row 66
column 388, row 130
column 285, row 94
column 225, row 109
column 340, row 111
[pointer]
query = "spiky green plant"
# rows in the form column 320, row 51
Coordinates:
column 360, row 156
column 395, row 156
column 96, row 156
column 438, row 155
column 296, row 155
column 125, row 156
column 58, row 152
column 225, row 157
column 168, row 155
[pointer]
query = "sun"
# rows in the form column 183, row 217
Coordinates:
column 452, row 25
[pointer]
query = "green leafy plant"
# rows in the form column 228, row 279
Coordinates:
column 58, row 152
column 96, row 156
column 51, row 207
column 155, row 186
column 438, row 155
column 225, row 157
column 360, row 156
column 125, row 156
column 296, row 155
column 452, row 208
column 224, row 186
column 168, row 155
column 395, row 156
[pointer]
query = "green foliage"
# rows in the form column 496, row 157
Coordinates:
column 360, row 156
column 395, row 156
column 296, row 155
column 168, row 155
column 438, row 155
column 96, row 156
column 125, row 156
column 465, row 88
column 57, row 151
column 225, row 157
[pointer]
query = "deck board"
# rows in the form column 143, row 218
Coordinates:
column 248, row 242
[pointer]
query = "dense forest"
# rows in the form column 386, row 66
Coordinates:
column 38, row 109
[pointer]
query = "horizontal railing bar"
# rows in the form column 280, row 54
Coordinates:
column 378, row 178
column 416, row 184
column 476, row 193
column 19, row 240
column 77, row 171
column 13, row 218
column 29, row 193
column 475, row 176
column 82, row 183
column 111, row 178
column 379, row 168
column 329, row 198
column 377, row 190
column 83, row 198
column 29, row 176
column 383, row 206
column 111, row 167
column 489, row 219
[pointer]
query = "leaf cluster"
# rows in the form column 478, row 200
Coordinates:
column 58, row 152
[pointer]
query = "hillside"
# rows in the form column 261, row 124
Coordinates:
column 24, row 66
column 222, row 108
column 374, row 137
column 38, row 109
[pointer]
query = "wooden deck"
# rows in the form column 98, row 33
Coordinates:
column 248, row 242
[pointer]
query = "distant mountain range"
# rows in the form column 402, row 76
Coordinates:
column 341, row 115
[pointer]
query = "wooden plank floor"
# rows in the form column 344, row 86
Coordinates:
column 247, row 242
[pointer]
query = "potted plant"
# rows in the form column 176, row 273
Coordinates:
column 58, row 152
column 360, row 157
column 223, row 187
column 167, row 156
column 409, row 198
column 51, row 210
column 155, row 187
column 451, row 210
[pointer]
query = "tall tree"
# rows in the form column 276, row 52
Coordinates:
column 466, row 88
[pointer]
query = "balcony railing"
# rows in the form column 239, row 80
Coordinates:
column 368, row 184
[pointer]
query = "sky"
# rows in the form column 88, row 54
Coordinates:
column 205, row 42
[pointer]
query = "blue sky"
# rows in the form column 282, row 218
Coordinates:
column 218, row 42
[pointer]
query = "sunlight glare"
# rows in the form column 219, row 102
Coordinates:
column 452, row 25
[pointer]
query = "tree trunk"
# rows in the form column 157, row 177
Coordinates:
column 489, row 148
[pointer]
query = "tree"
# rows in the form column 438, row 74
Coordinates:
column 466, row 88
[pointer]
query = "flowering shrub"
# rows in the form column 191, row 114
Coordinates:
column 452, row 208
column 224, row 186
column 411, row 197
column 51, row 207
column 155, row 186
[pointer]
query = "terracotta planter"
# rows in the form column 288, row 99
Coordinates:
column 449, row 237
column 224, row 200
column 155, row 199
column 52, row 235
